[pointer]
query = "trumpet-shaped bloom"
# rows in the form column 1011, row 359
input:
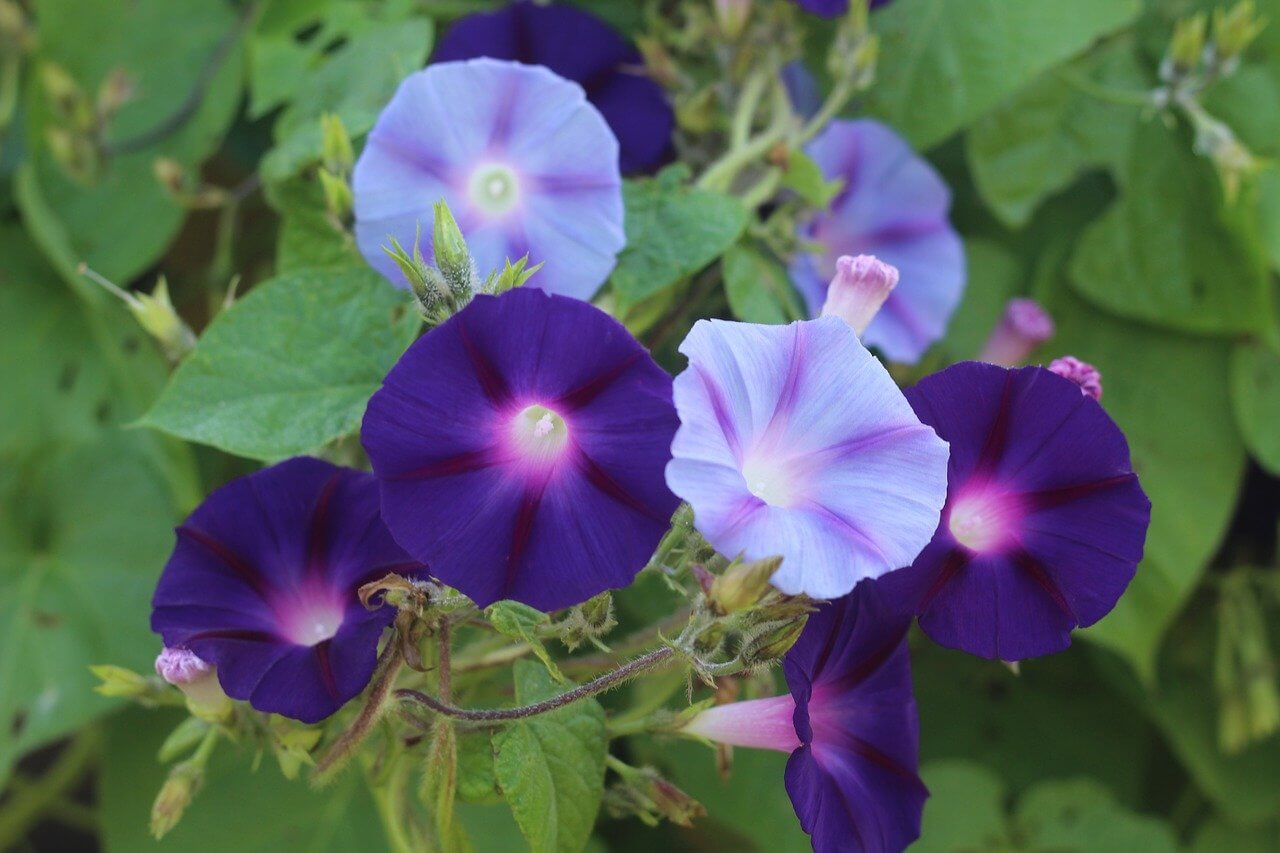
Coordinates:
column 525, row 163
column 579, row 47
column 849, row 722
column 893, row 205
column 795, row 441
column 1045, row 520
column 520, row 448
column 263, row 583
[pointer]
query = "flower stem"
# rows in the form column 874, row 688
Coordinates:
column 389, row 664
column 627, row 671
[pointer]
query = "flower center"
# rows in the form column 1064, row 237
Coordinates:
column 983, row 520
column 771, row 480
column 312, row 619
column 539, row 432
column 494, row 189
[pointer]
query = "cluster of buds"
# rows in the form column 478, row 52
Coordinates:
column 643, row 793
column 78, row 124
column 445, row 289
column 856, row 50
column 337, row 160
column 589, row 622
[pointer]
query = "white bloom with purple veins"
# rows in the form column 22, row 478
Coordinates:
column 795, row 441
column 526, row 164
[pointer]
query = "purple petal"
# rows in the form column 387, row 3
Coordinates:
column 481, row 502
column 579, row 47
column 795, row 441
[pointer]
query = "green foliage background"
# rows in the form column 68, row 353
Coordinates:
column 1101, row 210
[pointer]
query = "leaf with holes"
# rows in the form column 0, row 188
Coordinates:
column 551, row 767
column 290, row 366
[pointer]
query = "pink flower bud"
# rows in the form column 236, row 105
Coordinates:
column 1024, row 326
column 197, row 679
column 861, row 285
column 1080, row 372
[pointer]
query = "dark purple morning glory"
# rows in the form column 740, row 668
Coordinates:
column 849, row 722
column 579, row 47
column 1045, row 520
column 520, row 448
column 263, row 582
column 831, row 8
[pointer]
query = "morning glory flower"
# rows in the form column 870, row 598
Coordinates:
column 894, row 205
column 1045, row 519
column 831, row 8
column 794, row 441
column 579, row 47
column 849, row 722
column 262, row 584
column 525, row 163
column 520, row 448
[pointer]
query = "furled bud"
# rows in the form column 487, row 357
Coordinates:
column 1185, row 48
column 174, row 797
column 74, row 152
column 510, row 276
column 642, row 792
column 1216, row 140
column 769, row 641
column 116, row 681
column 731, row 16
column 452, row 257
column 1024, row 326
column 742, row 585
column 1080, row 372
column 860, row 287
column 1235, row 29
column 114, row 92
column 338, row 199
column 336, row 152
column 155, row 314
column 66, row 99
column 429, row 287
column 588, row 622
column 198, row 680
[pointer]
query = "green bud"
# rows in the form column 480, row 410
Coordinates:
column 117, row 681
column 643, row 792
column 156, row 314
column 1186, row 48
column 588, row 622
column 338, row 199
column 74, row 152
column 429, row 287
column 453, row 259
column 66, row 99
column 510, row 277
column 174, row 797
column 337, row 154
column 115, row 91
column 769, row 641
column 742, row 585
column 732, row 16
column 15, row 33
column 292, row 744
column 1235, row 30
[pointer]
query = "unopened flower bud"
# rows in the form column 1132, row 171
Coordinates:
column 174, row 797
column 510, row 276
column 336, row 152
column 155, row 314
column 171, row 175
column 1080, row 372
column 115, row 91
column 859, row 289
column 742, row 585
column 1024, row 326
column 452, row 257
column 642, row 792
column 731, row 16
column 74, row 152
column 197, row 680
column 1235, row 30
column 338, row 199
column 769, row 641
column 14, row 32
column 1185, row 48
column 66, row 99
column 117, row 681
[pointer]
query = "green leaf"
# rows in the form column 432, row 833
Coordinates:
column 83, row 535
column 477, row 781
column 943, row 64
column 1169, row 395
column 758, row 287
column 290, row 366
column 122, row 223
column 354, row 83
column 673, row 231
column 1169, row 252
column 965, row 809
column 309, row 236
column 236, row 809
column 1042, row 139
column 1216, row 835
column 1080, row 814
column 551, row 766
column 804, row 177
column 521, row 622
column 1255, row 395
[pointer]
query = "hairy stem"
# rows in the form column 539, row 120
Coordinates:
column 627, row 671
column 384, row 678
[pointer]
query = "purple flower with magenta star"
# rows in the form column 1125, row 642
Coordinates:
column 1045, row 520
column 895, row 206
column 579, row 47
column 520, row 448
column 262, row 584
column 794, row 441
column 849, row 722
column 525, row 163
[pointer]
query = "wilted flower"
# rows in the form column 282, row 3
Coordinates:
column 579, row 47
column 849, row 722
column 795, row 442
column 525, row 163
column 1080, row 372
column 894, row 206
column 196, row 679
column 263, row 585
column 520, row 448
column 1045, row 520
column 859, row 289
column 1023, row 327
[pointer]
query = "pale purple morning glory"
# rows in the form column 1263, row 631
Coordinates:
column 893, row 205
column 849, row 722
column 794, row 441
column 262, row 584
column 579, row 47
column 520, row 448
column 525, row 163
column 1045, row 520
